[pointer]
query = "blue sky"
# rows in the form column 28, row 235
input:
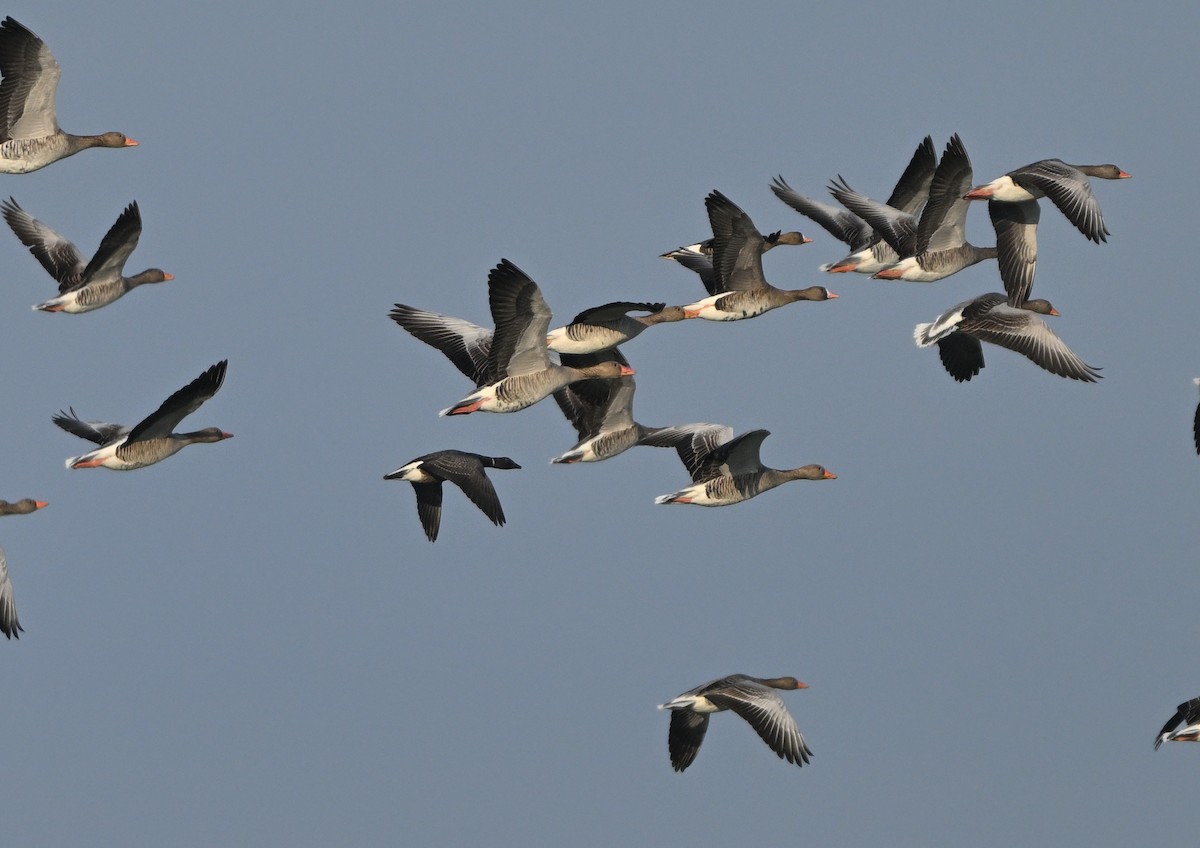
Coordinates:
column 253, row 643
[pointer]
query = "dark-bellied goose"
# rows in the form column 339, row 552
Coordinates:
column 992, row 318
column 933, row 246
column 29, row 134
column 1184, row 726
column 732, row 472
column 83, row 286
column 519, row 372
column 601, row 411
column 10, row 625
column 609, row 325
column 752, row 698
column 742, row 290
column 1067, row 186
column 465, row 470
column 868, row 252
column 152, row 439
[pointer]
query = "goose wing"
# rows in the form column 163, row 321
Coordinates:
column 10, row 625
column 1016, row 245
column 30, row 83
column 163, row 421
column 116, row 246
column 737, row 245
column 522, row 319
column 61, row 259
column 466, row 345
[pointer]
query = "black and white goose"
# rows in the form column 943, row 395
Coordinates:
column 465, row 470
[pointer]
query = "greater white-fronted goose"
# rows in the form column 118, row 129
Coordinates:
column 10, row 624
column 1184, row 726
column 752, row 698
column 607, row 326
column 1067, row 186
column 992, row 318
column 29, row 134
column 732, row 472
column 465, row 470
column 933, row 246
column 519, row 372
column 601, row 411
column 152, row 439
column 868, row 252
column 83, row 286
column 742, row 290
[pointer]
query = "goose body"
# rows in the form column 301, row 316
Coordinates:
column 601, row 411
column 10, row 624
column 519, row 371
column 755, row 699
column 153, row 439
column 83, row 286
column 741, row 289
column 465, row 470
column 729, row 472
column 609, row 325
column 30, row 137
column 991, row 318
column 1068, row 187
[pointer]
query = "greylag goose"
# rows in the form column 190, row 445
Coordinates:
column 10, row 625
column 933, row 246
column 601, row 411
column 519, row 371
column 993, row 318
column 1067, row 186
column 83, row 286
column 465, row 470
column 152, row 439
column 1184, row 726
column 752, row 698
column 29, row 133
column 868, row 252
column 731, row 472
column 609, row 325
column 742, row 290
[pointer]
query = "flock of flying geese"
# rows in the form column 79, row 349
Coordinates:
column 30, row 138
column 918, row 235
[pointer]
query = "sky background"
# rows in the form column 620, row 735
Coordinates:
column 253, row 643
